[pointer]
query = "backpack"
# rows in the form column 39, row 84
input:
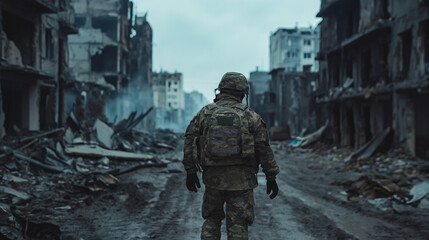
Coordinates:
column 227, row 138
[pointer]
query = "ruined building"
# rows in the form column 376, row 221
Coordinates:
column 168, row 100
column 194, row 101
column 99, row 54
column 34, row 63
column 141, row 54
column 260, row 97
column 140, row 91
column 291, row 101
column 374, row 71
column 287, row 105
column 294, row 49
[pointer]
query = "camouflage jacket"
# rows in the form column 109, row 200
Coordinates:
column 231, row 177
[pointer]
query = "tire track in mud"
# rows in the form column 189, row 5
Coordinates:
column 176, row 213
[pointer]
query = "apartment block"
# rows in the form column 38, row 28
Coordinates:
column 374, row 72
column 294, row 49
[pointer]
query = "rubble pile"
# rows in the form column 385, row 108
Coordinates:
column 386, row 176
column 69, row 165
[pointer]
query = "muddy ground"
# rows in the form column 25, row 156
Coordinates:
column 153, row 203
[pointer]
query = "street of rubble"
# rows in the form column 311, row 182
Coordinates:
column 322, row 196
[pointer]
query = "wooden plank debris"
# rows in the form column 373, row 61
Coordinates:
column 98, row 152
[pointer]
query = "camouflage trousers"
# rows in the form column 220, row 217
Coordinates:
column 239, row 213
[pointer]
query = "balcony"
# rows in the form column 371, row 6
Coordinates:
column 66, row 20
column 41, row 6
column 329, row 7
column 378, row 28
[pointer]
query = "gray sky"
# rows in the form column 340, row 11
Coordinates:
column 203, row 39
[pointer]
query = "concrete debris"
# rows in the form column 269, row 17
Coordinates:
column 14, row 180
column 104, row 133
column 94, row 151
column 43, row 134
column 309, row 139
column 373, row 187
column 73, row 162
column 107, row 179
column 9, row 227
column 419, row 191
column 376, row 144
column 18, row 194
column 46, row 166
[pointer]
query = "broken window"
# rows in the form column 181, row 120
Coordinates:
column 384, row 9
column 49, row 44
column 421, row 126
column 366, row 68
column 351, row 126
column 306, row 68
column 113, row 80
column 383, row 67
column 307, row 42
column 349, row 68
column 406, row 43
column 13, row 100
column 335, row 74
column 106, row 60
column 108, row 25
column 79, row 22
column 348, row 20
column 324, row 77
column 367, row 122
column 21, row 32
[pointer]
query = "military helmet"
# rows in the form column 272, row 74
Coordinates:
column 235, row 82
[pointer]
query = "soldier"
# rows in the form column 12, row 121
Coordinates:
column 228, row 141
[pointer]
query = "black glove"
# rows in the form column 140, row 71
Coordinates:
column 192, row 182
column 272, row 188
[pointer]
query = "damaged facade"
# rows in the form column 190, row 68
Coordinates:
column 260, row 97
column 285, row 101
column 374, row 72
column 294, row 49
column 140, row 90
column 168, row 100
column 99, row 54
column 34, row 63
column 194, row 101
column 292, row 101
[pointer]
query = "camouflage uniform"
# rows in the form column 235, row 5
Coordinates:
column 231, row 184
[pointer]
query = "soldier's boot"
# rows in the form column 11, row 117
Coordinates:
column 211, row 229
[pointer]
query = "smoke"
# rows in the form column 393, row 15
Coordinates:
column 137, row 97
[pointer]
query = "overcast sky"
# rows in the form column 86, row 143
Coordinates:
column 203, row 39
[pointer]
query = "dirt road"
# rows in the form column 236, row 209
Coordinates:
column 154, row 204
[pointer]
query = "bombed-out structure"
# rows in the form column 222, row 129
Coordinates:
column 194, row 101
column 292, row 101
column 260, row 97
column 34, row 63
column 294, row 49
column 374, row 72
column 99, row 54
column 168, row 100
